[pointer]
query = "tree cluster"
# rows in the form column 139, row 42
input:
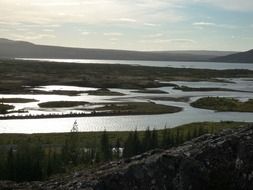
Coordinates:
column 28, row 161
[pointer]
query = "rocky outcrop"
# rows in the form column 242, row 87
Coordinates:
column 222, row 161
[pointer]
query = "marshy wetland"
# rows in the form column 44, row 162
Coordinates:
column 115, row 97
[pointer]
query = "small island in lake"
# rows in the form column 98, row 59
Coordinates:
column 224, row 104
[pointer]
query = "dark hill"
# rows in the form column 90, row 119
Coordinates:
column 210, row 162
column 243, row 57
column 20, row 49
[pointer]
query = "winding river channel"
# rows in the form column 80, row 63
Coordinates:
column 243, row 90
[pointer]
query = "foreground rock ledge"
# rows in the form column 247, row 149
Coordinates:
column 222, row 161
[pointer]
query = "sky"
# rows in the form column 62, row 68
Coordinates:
column 145, row 25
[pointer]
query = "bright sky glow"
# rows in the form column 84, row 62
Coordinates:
column 131, row 24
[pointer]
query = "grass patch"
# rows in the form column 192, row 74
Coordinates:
column 190, row 89
column 224, row 104
column 124, row 108
column 104, row 92
column 138, row 108
column 92, row 138
column 151, row 91
column 61, row 104
column 17, row 100
column 67, row 92
column 174, row 99
column 4, row 108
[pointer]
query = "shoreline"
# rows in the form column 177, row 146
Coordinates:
column 107, row 114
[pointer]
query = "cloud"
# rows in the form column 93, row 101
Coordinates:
column 31, row 36
column 56, row 3
column 203, row 24
column 150, row 24
column 48, row 30
column 128, row 20
column 113, row 34
column 22, row 29
column 210, row 24
column 114, row 39
column 85, row 33
column 233, row 5
column 156, row 35
column 144, row 12
column 165, row 41
column 4, row 30
column 44, row 12
column 183, row 41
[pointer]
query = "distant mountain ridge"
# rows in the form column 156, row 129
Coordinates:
column 22, row 49
column 243, row 57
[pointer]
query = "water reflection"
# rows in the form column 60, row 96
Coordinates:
column 122, row 123
column 174, row 64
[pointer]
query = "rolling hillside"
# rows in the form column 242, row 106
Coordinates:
column 21, row 49
column 243, row 57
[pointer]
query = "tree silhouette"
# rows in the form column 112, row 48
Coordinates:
column 106, row 151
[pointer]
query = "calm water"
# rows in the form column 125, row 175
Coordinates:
column 123, row 123
column 175, row 64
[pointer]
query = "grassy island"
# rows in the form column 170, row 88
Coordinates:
column 150, row 91
column 127, row 108
column 224, row 104
column 61, row 104
column 191, row 89
column 101, row 109
column 4, row 108
column 104, row 92
column 17, row 100
column 138, row 108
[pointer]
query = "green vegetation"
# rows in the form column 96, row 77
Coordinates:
column 224, row 104
column 103, row 109
column 53, row 92
column 17, row 100
column 104, row 92
column 62, row 104
column 4, row 108
column 174, row 99
column 93, row 137
column 16, row 75
column 38, row 156
column 150, row 91
column 65, row 92
column 190, row 89
column 120, row 108
column 131, row 108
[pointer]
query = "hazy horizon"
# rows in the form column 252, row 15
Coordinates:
column 143, row 25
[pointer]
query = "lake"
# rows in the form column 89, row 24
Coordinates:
column 174, row 64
